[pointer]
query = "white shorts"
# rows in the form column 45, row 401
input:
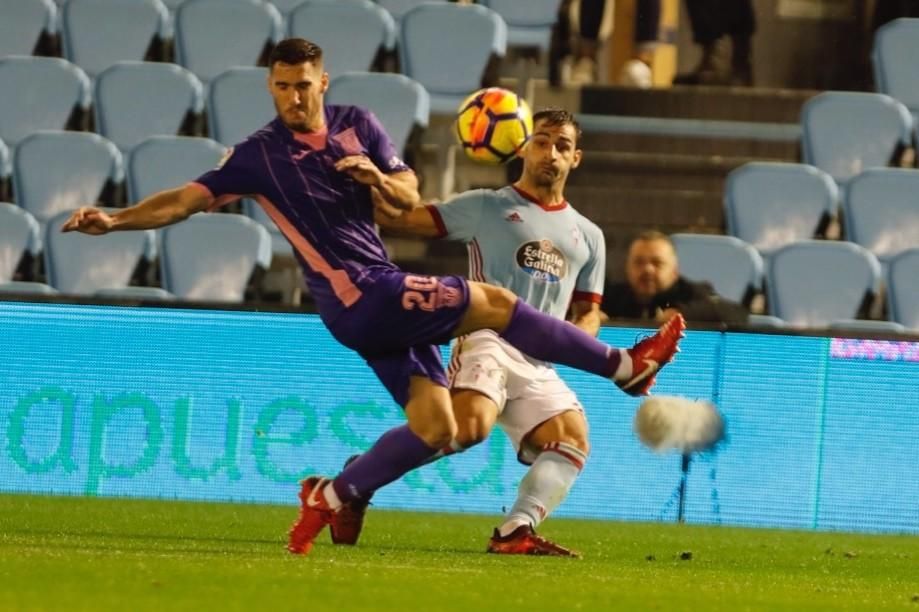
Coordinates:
column 528, row 392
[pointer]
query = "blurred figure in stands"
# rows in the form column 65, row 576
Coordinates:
column 712, row 21
column 581, row 28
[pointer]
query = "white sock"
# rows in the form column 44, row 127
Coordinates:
column 450, row 449
column 545, row 485
column 331, row 497
column 624, row 371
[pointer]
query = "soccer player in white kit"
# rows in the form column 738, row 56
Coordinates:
column 527, row 238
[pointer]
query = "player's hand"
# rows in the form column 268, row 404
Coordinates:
column 89, row 220
column 361, row 169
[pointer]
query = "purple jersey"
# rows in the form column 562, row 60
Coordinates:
column 325, row 214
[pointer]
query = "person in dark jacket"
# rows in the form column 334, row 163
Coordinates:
column 655, row 290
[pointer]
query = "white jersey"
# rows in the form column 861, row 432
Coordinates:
column 547, row 255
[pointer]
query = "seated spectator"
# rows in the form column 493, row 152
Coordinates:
column 655, row 290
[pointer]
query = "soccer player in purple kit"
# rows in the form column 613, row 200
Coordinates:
column 312, row 169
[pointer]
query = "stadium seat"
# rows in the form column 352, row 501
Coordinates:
column 845, row 133
column 903, row 289
column 212, row 36
column 211, row 256
column 896, row 73
column 19, row 234
column 882, row 211
column 238, row 104
column 401, row 104
column 733, row 267
column 166, row 162
column 163, row 94
column 398, row 8
column 6, row 166
column 813, row 283
column 26, row 287
column 39, row 93
column 761, row 320
column 769, row 205
column 351, row 34
column 78, row 264
column 450, row 61
column 133, row 27
column 57, row 171
column 135, row 293
column 529, row 24
column 23, row 23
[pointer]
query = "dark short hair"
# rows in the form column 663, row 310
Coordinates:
column 558, row 116
column 650, row 235
column 295, row 51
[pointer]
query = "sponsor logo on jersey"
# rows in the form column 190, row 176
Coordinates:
column 514, row 217
column 541, row 260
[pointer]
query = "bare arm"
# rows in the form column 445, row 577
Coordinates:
column 415, row 222
column 586, row 315
column 160, row 209
column 400, row 189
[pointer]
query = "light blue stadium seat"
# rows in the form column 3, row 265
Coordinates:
column 211, row 256
column 6, row 162
column 58, row 171
column 78, row 264
column 529, row 24
column 815, row 282
column 131, row 29
column 845, row 133
column 761, row 320
column 135, row 293
column 401, row 104
column 450, row 61
column 19, row 234
column 896, row 71
column 882, row 211
column 212, row 36
column 39, row 93
column 162, row 94
column 166, row 162
column 26, row 287
column 769, row 205
column 22, row 24
column 398, row 8
column 238, row 104
column 351, row 33
column 172, row 5
column 733, row 267
column 903, row 289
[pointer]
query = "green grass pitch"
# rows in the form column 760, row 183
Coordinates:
column 103, row 554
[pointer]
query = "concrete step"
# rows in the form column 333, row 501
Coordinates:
column 689, row 145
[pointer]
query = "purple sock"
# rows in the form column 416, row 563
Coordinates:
column 550, row 339
column 395, row 453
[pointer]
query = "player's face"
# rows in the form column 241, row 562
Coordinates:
column 551, row 154
column 651, row 268
column 298, row 90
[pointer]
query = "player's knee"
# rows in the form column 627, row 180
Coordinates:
column 472, row 430
column 438, row 432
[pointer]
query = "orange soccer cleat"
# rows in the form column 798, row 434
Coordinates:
column 524, row 541
column 315, row 514
column 651, row 354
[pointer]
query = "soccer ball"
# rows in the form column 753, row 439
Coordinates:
column 493, row 124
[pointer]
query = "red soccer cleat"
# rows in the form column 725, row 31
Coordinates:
column 524, row 541
column 314, row 515
column 651, row 354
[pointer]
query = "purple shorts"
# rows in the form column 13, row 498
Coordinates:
column 397, row 322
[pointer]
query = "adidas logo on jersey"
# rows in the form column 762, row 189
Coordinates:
column 514, row 218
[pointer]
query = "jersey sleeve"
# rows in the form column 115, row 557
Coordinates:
column 459, row 218
column 592, row 277
column 232, row 179
column 380, row 148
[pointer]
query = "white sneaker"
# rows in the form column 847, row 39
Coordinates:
column 636, row 73
column 583, row 72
